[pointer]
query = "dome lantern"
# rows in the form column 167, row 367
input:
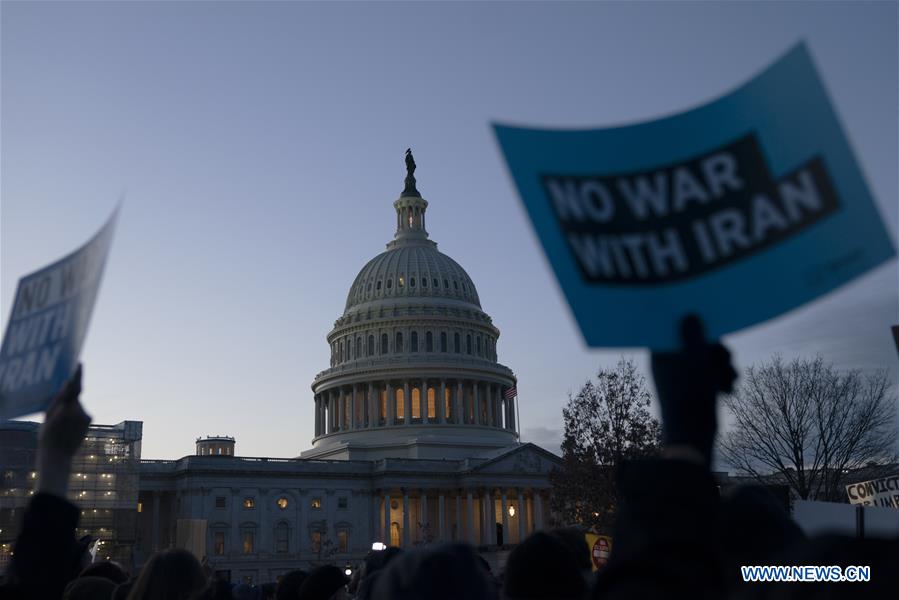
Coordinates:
column 410, row 209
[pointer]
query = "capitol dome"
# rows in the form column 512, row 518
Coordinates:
column 414, row 370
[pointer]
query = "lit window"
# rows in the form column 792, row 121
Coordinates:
column 140, row 507
column 249, row 540
column 219, row 543
column 416, row 403
column 316, row 503
column 401, row 281
column 249, row 503
column 343, row 540
column 432, row 405
column 316, row 541
column 400, row 397
column 342, row 502
column 448, row 398
column 282, row 502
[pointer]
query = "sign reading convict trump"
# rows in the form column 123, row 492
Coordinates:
column 47, row 326
column 737, row 211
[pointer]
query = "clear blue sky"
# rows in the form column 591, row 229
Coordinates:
column 261, row 147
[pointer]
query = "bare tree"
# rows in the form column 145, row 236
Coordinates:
column 807, row 423
column 606, row 422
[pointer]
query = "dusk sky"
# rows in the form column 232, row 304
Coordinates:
column 260, row 146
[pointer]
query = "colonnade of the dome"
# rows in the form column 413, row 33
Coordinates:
column 398, row 401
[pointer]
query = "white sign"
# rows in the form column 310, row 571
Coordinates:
column 877, row 492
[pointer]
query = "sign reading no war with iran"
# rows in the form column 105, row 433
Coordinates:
column 47, row 326
column 737, row 211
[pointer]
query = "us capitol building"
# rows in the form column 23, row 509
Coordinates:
column 416, row 437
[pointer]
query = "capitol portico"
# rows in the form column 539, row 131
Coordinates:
column 415, row 436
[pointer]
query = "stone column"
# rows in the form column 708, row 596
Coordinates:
column 155, row 535
column 407, row 403
column 441, row 517
column 490, row 402
column 522, row 515
column 425, row 521
column 476, row 394
column 341, row 409
column 538, row 511
column 491, row 515
column 391, row 405
column 235, row 521
column 441, row 402
column 459, row 525
column 458, row 405
column 504, row 506
column 512, row 414
column 315, row 410
column 353, row 407
column 470, row 521
column 386, row 519
column 405, row 519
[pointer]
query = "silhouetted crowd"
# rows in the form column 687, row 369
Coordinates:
column 676, row 536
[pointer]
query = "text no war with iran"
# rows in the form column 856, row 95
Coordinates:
column 48, row 324
column 738, row 210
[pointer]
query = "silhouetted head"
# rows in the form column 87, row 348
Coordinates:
column 289, row 585
column 754, row 528
column 106, row 569
column 445, row 572
column 89, row 588
column 169, row 575
column 543, row 567
column 324, row 583
column 574, row 540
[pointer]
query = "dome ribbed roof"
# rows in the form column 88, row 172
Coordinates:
column 410, row 271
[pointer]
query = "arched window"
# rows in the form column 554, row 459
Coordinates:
column 432, row 403
column 446, row 284
column 371, row 345
column 358, row 348
column 443, row 341
column 282, row 538
column 424, row 282
column 468, row 343
column 416, row 403
column 378, row 286
column 384, row 349
column 429, row 342
column 436, row 283
column 400, row 406
column 398, row 346
column 414, row 342
column 389, row 283
column 411, row 282
column 456, row 345
column 341, row 351
column 479, row 345
column 455, row 284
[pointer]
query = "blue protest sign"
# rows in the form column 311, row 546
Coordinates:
column 47, row 326
column 737, row 211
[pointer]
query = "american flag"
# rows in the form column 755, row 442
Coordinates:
column 511, row 393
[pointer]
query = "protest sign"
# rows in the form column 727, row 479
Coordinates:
column 47, row 325
column 736, row 211
column 877, row 492
column 600, row 550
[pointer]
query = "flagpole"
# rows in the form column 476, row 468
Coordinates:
column 517, row 414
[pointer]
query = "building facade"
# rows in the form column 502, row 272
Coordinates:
column 415, row 437
column 104, row 485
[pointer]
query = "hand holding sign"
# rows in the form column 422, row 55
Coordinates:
column 48, row 324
